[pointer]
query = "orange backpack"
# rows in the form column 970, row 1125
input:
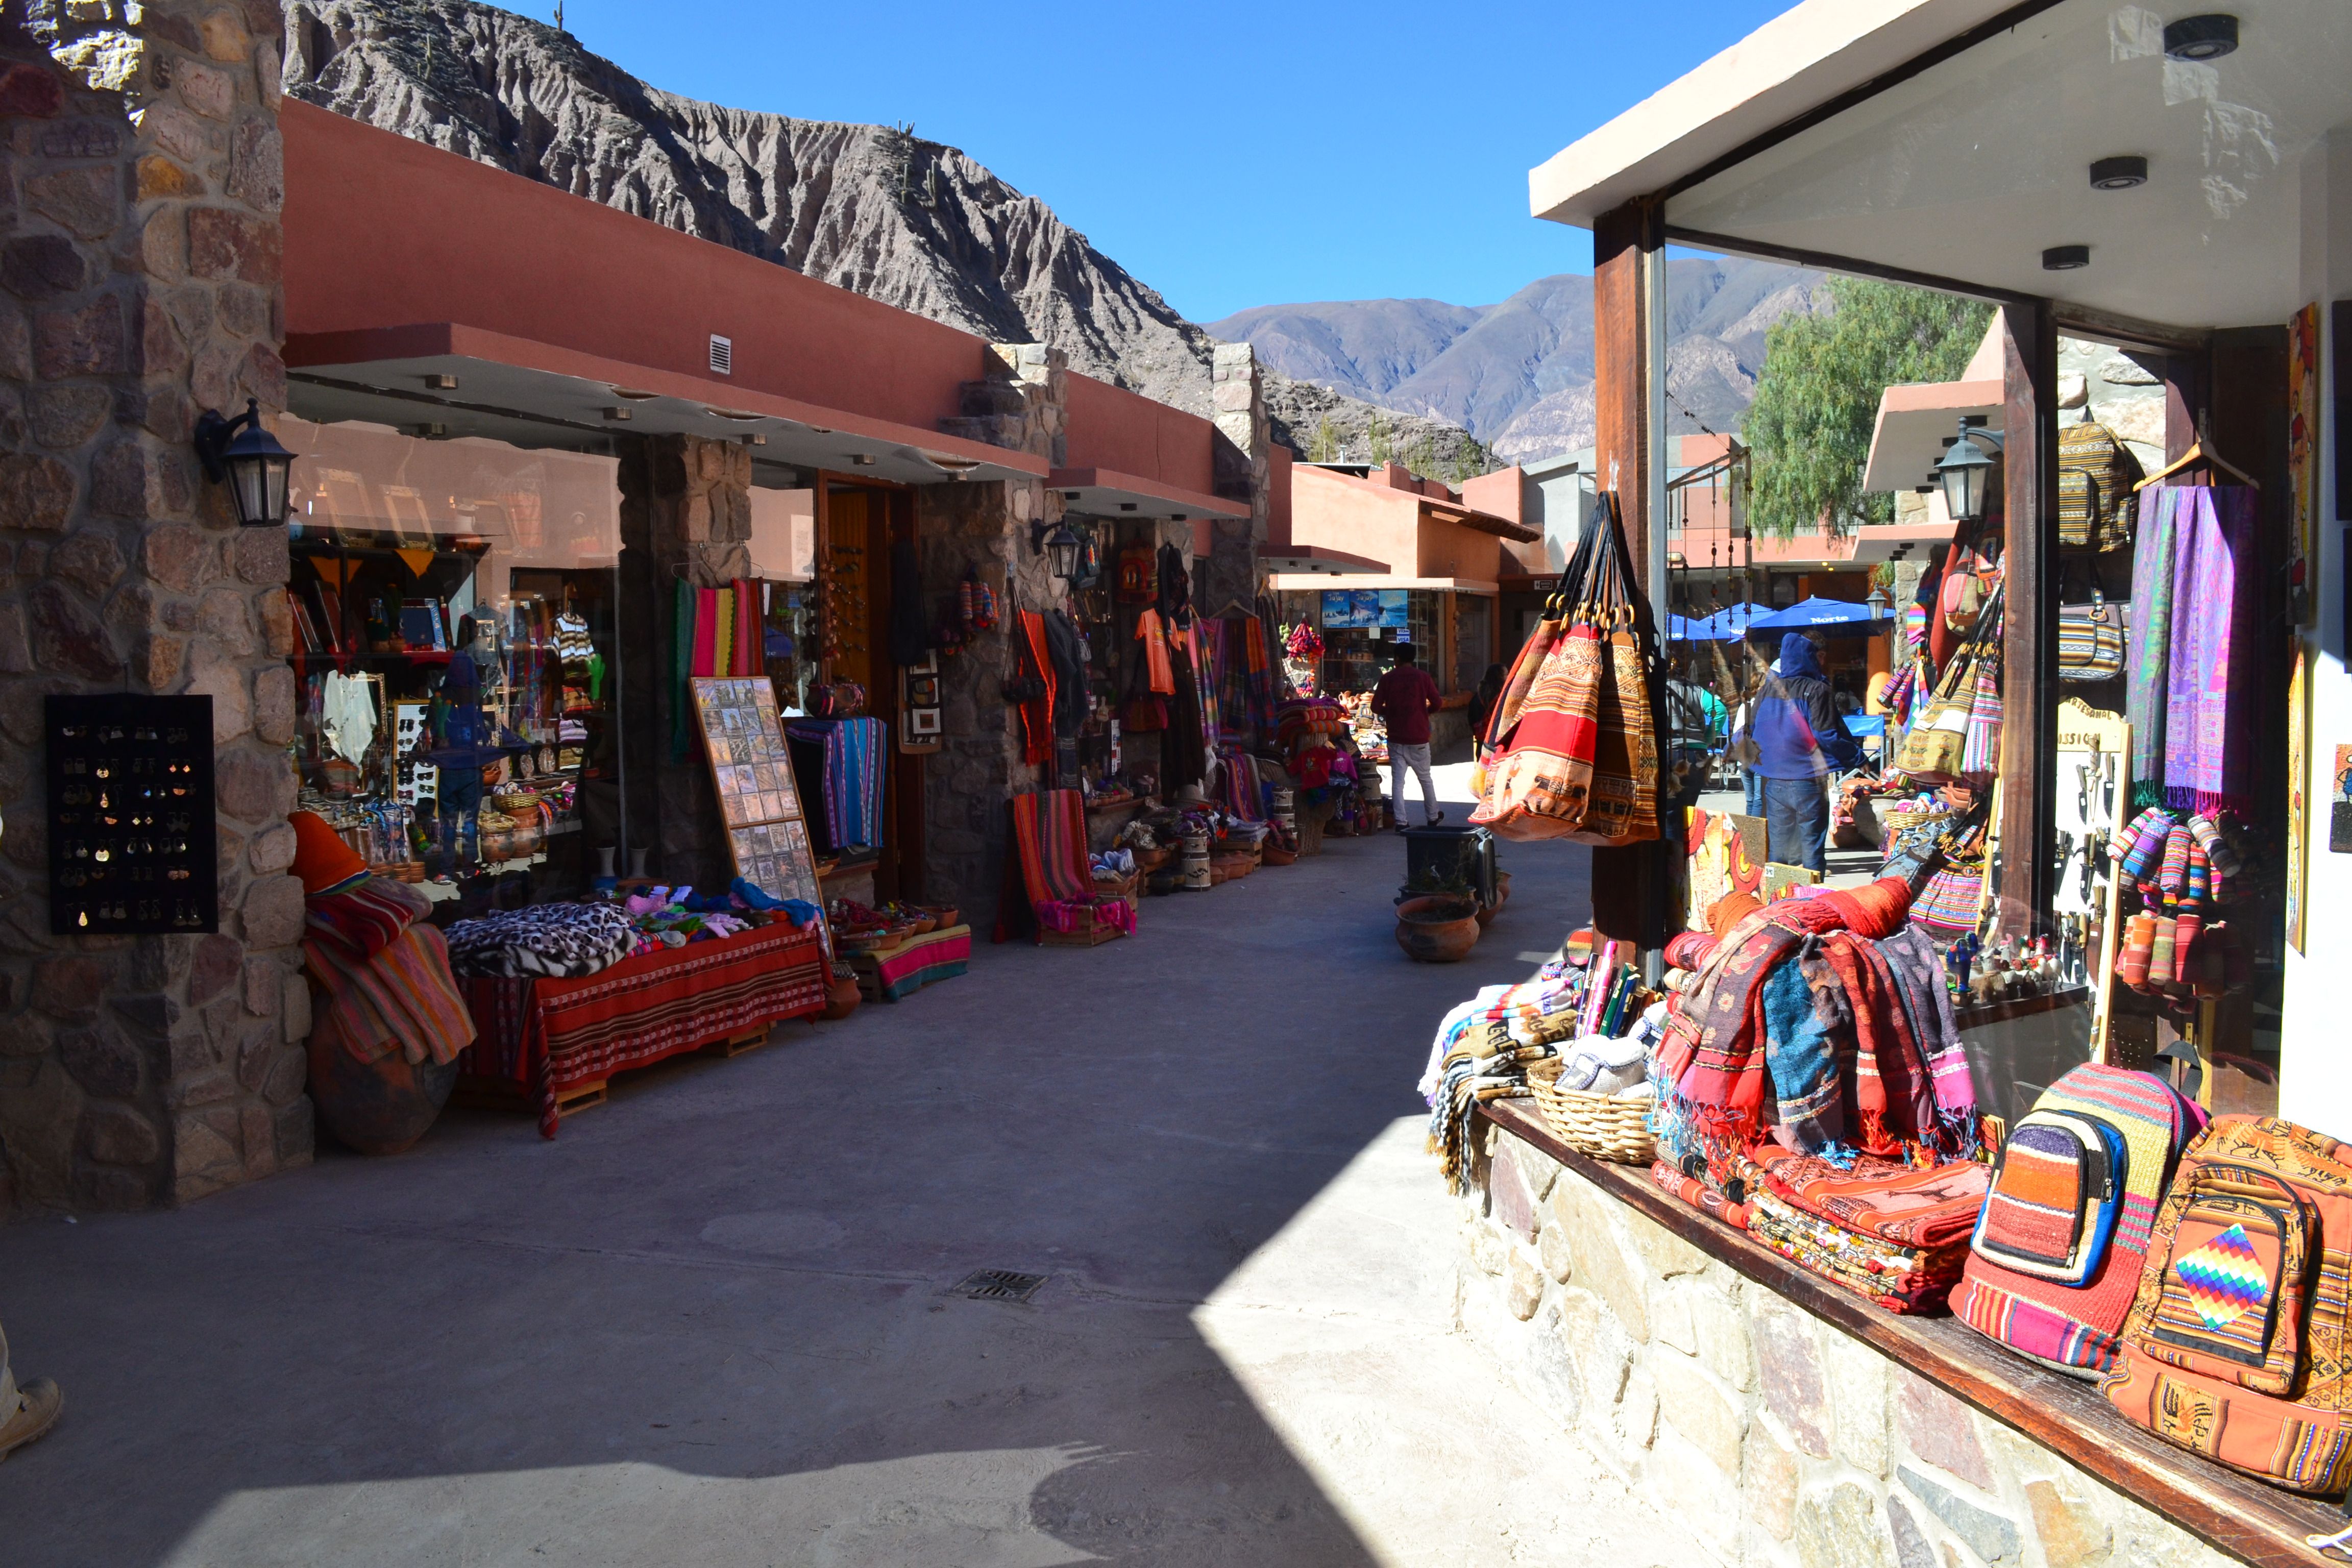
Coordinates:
column 2235, row 1343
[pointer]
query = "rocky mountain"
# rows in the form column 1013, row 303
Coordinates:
column 912, row 223
column 1518, row 376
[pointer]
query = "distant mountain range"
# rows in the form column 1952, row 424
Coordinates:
column 1518, row 376
column 871, row 209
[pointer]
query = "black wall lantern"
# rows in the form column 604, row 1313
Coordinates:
column 1966, row 471
column 1062, row 547
column 243, row 455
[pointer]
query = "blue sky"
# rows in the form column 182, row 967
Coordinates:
column 1228, row 154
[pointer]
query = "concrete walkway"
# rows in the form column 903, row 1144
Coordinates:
column 712, row 1322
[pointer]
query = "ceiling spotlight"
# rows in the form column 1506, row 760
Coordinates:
column 2207, row 37
column 863, row 460
column 1069, row 495
column 616, row 414
column 1127, row 506
column 2065, row 257
column 2118, row 173
column 441, row 383
column 754, row 439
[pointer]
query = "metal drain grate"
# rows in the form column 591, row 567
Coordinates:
column 1001, row 1285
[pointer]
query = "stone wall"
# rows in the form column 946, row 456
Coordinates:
column 1238, row 396
column 140, row 252
column 985, row 527
column 686, row 515
column 1775, row 1438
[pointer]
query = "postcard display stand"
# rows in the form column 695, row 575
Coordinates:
column 744, row 740
column 132, row 844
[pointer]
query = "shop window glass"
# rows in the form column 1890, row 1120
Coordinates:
column 457, row 667
column 784, row 559
column 1472, row 637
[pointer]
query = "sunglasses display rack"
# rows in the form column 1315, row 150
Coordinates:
column 133, row 849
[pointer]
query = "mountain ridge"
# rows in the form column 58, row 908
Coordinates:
column 1518, row 375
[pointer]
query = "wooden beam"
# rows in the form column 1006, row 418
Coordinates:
column 1628, row 884
column 2029, row 690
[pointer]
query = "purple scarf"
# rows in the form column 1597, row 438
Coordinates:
column 2213, row 681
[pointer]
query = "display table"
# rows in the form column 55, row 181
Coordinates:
column 547, row 1040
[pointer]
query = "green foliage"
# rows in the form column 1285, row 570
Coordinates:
column 1325, row 446
column 1382, row 445
column 1817, row 398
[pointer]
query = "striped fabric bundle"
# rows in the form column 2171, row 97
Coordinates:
column 400, row 998
column 2172, row 874
column 1899, row 1278
column 1049, row 826
column 363, row 915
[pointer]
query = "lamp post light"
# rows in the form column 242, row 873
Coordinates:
column 1966, row 471
column 243, row 455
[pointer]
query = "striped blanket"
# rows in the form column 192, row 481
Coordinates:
column 401, row 997
column 1049, row 826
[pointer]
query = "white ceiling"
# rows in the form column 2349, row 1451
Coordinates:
column 1970, row 170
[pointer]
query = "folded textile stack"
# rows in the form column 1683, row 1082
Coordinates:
column 381, row 979
column 1483, row 1050
column 1899, row 1278
column 1897, row 1234
column 555, row 942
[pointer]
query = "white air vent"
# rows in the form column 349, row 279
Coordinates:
column 722, row 355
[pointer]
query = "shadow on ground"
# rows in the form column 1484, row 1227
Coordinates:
column 713, row 1321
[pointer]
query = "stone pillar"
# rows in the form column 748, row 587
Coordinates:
column 686, row 514
column 1243, row 436
column 985, row 528
column 141, row 271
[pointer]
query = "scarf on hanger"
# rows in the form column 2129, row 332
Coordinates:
column 2213, row 684
column 2151, row 643
column 1152, row 632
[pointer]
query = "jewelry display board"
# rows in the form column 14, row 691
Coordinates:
column 133, row 848
column 752, row 771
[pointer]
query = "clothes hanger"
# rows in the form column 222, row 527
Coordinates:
column 2199, row 451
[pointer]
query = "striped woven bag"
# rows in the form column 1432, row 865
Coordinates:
column 1981, row 755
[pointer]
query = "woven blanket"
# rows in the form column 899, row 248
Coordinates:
column 400, row 997
column 852, row 750
column 549, row 1035
column 920, row 961
column 555, row 941
column 1712, row 1053
column 1901, row 1204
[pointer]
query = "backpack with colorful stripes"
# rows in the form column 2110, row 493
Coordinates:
column 2055, row 1261
column 2236, row 1345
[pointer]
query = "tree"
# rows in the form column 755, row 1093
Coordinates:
column 1817, row 399
column 1376, row 434
column 1325, row 446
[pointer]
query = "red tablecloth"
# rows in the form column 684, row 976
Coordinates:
column 548, row 1035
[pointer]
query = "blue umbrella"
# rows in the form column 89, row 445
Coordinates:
column 1819, row 613
column 1682, row 628
column 1731, row 624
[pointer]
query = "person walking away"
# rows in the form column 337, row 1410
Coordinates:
column 1405, row 700
column 1800, row 743
column 25, row 1411
column 1481, row 706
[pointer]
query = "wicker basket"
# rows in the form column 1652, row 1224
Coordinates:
column 1594, row 1124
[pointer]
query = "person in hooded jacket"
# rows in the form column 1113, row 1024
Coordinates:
column 1801, row 743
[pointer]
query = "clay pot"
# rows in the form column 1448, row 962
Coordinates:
column 1487, row 912
column 380, row 1106
column 841, row 999
column 1437, row 930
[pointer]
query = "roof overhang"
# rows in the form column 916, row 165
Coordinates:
column 1949, row 144
column 1314, row 558
column 1793, row 65
column 1286, row 581
column 1103, row 492
column 1879, row 542
column 1482, row 521
column 446, row 378
column 1915, row 422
